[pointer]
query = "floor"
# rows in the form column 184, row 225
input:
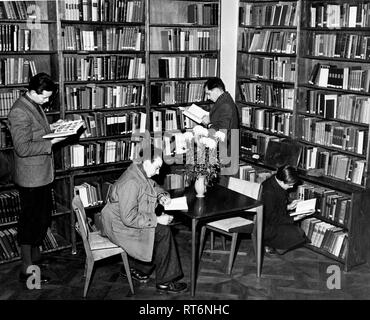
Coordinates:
column 298, row 275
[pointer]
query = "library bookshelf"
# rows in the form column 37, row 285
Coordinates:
column 120, row 66
column 328, row 107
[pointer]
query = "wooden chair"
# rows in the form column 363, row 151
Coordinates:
column 96, row 246
column 250, row 189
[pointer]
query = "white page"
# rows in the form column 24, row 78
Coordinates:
column 177, row 204
column 306, row 206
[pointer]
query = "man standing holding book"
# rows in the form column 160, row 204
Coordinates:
column 33, row 168
column 224, row 115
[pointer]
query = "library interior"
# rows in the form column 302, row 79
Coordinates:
column 260, row 110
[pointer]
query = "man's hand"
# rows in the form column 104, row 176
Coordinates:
column 56, row 140
column 293, row 204
column 205, row 120
column 164, row 219
column 164, row 199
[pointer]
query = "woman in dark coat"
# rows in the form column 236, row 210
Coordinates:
column 280, row 232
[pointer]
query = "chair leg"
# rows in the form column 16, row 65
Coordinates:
column 212, row 239
column 232, row 252
column 85, row 271
column 201, row 242
column 90, row 266
column 128, row 272
column 223, row 239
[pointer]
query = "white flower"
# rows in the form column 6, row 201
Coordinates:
column 220, row 136
column 188, row 136
column 200, row 131
column 208, row 142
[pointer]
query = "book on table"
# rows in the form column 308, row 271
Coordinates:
column 65, row 128
column 195, row 113
column 179, row 203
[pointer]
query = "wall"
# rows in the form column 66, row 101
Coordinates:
column 229, row 37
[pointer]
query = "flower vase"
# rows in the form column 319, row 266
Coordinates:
column 200, row 186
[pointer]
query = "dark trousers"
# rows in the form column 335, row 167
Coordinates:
column 35, row 216
column 165, row 257
column 286, row 236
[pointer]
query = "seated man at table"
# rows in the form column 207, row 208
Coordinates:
column 129, row 220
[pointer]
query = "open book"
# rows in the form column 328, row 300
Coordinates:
column 65, row 128
column 195, row 113
column 305, row 207
column 177, row 204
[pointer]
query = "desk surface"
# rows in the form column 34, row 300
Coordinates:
column 217, row 201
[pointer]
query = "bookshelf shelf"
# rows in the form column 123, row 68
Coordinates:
column 268, row 54
column 102, row 23
column 308, row 108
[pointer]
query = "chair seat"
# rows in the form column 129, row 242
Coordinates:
column 229, row 224
column 98, row 242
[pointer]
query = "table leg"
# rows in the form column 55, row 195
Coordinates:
column 259, row 239
column 193, row 256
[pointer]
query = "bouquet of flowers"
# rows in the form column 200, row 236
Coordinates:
column 202, row 154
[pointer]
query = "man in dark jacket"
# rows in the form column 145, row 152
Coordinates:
column 224, row 117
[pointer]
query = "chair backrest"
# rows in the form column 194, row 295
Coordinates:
column 79, row 209
column 248, row 188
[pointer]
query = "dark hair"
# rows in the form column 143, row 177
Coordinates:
column 287, row 174
column 40, row 82
column 214, row 83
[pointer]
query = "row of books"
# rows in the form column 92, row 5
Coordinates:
column 10, row 206
column 325, row 236
column 269, row 94
column 269, row 41
column 91, row 96
column 5, row 137
column 98, row 68
column 330, row 204
column 253, row 145
column 10, row 249
column 109, row 39
column 178, row 39
column 176, row 92
column 7, row 98
column 16, row 70
column 333, row 164
column 340, row 45
column 186, row 67
column 250, row 173
column 269, row 120
column 170, row 120
column 18, row 10
column 334, row 134
column 269, row 14
column 100, row 152
column 13, row 38
column 101, row 125
column 347, row 78
column 203, row 13
column 104, row 10
column 272, row 68
column 347, row 107
column 344, row 15
column 89, row 193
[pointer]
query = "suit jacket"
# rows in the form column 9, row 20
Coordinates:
column 224, row 113
column 33, row 159
column 129, row 218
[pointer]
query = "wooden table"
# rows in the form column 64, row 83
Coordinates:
column 218, row 203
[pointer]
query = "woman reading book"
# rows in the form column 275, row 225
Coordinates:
column 280, row 233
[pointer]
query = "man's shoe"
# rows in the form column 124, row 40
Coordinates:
column 172, row 287
column 23, row 278
column 270, row 250
column 135, row 274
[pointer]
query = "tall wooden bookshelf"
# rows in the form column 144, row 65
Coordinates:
column 28, row 46
column 330, row 114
